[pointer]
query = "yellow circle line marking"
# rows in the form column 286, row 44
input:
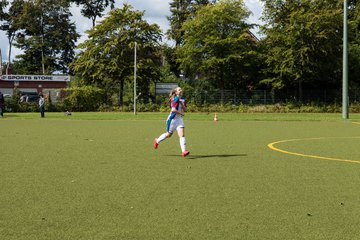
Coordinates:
column 271, row 146
column 356, row 122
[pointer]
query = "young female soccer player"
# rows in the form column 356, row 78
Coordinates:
column 175, row 120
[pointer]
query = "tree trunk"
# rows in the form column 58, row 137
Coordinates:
column 11, row 38
column 121, row 93
column 300, row 91
column 93, row 21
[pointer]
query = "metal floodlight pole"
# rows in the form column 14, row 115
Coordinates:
column 135, row 78
column 345, row 100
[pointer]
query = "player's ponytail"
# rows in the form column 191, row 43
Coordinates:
column 172, row 93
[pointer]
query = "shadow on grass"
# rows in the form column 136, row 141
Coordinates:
column 191, row 156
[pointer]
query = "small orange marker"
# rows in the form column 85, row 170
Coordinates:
column 215, row 117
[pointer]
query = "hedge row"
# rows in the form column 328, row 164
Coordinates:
column 242, row 108
column 90, row 98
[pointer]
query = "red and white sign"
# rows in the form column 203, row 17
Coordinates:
column 35, row 78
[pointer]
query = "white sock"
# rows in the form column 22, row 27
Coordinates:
column 161, row 138
column 183, row 144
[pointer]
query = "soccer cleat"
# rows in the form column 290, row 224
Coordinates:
column 155, row 144
column 185, row 153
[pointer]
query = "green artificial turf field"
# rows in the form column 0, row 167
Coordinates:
column 97, row 176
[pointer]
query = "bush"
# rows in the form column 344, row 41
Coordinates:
column 12, row 104
column 86, row 98
column 354, row 107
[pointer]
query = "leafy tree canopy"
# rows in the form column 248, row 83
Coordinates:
column 303, row 42
column 94, row 8
column 47, row 37
column 218, row 45
column 107, row 56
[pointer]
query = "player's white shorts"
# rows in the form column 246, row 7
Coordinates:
column 174, row 124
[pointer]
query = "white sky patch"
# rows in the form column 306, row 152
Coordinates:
column 82, row 23
column 256, row 7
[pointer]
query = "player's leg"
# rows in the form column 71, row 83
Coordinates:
column 168, row 134
column 161, row 138
column 181, row 133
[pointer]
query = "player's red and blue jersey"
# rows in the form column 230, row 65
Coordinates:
column 175, row 103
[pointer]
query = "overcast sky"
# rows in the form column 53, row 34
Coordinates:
column 156, row 11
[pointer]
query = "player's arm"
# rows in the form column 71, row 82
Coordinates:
column 175, row 106
column 174, row 110
column 183, row 104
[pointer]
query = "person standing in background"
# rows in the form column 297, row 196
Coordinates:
column 42, row 105
column 2, row 104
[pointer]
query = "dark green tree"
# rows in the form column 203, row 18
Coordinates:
column 354, row 45
column 107, row 56
column 93, row 9
column 218, row 46
column 181, row 10
column 47, row 38
column 10, row 22
column 303, row 43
